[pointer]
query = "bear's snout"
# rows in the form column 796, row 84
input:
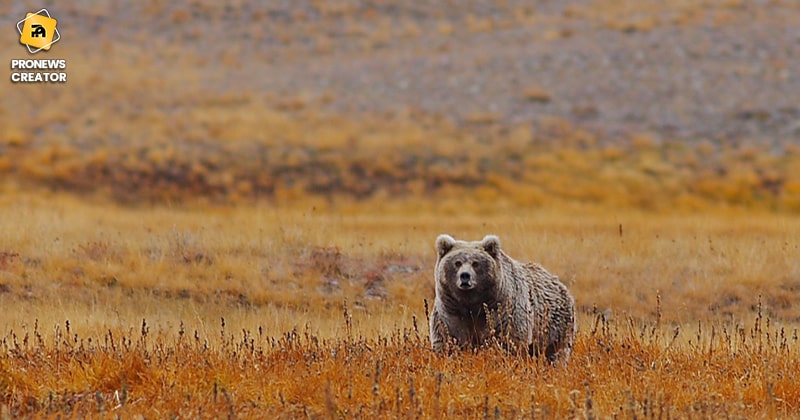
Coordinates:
column 465, row 280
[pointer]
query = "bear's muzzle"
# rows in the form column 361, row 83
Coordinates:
column 465, row 281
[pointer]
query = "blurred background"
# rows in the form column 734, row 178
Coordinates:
column 647, row 104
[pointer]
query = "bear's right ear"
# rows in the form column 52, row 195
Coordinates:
column 444, row 243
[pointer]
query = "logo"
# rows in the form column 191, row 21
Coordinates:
column 38, row 31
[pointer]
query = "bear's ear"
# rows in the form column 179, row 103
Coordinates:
column 491, row 244
column 444, row 243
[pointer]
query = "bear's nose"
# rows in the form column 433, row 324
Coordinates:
column 465, row 277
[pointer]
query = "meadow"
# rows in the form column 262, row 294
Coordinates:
column 289, row 274
column 319, row 310
column 243, row 226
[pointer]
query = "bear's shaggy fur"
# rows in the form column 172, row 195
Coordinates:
column 485, row 296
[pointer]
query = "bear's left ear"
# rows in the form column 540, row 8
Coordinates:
column 491, row 244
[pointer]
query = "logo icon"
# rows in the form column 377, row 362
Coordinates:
column 38, row 31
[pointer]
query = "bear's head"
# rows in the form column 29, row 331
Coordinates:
column 468, row 272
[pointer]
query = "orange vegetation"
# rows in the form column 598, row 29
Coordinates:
column 319, row 309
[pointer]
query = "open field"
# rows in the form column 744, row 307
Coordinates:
column 649, row 105
column 320, row 311
column 229, row 210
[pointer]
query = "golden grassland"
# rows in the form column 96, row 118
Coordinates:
column 255, row 262
column 317, row 308
column 380, row 156
column 222, row 254
column 161, row 124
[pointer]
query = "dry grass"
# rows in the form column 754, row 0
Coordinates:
column 172, row 246
column 375, row 157
column 117, row 133
column 619, row 368
column 317, row 309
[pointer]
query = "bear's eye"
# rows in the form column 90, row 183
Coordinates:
column 458, row 264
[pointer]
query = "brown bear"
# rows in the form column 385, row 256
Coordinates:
column 483, row 296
